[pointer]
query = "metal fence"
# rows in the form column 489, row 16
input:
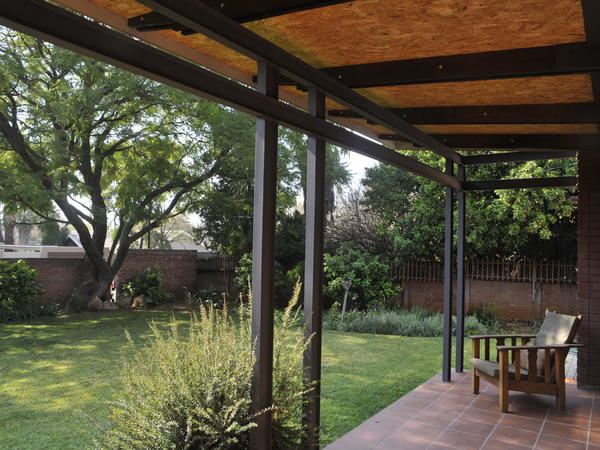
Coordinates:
column 559, row 272
column 216, row 263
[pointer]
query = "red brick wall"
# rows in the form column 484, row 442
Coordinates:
column 58, row 276
column 588, row 261
column 178, row 268
column 514, row 300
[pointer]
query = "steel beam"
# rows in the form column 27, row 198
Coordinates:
column 447, row 318
column 528, row 183
column 493, row 114
column 313, row 272
column 559, row 59
column 202, row 18
column 46, row 21
column 513, row 141
column 263, row 263
column 460, row 272
column 515, row 157
column 239, row 11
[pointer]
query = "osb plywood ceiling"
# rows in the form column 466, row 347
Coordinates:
column 511, row 91
column 366, row 31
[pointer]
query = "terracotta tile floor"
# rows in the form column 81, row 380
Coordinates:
column 438, row 415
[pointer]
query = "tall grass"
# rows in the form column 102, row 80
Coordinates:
column 414, row 322
column 192, row 390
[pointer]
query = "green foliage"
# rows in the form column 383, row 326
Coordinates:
column 371, row 283
column 18, row 291
column 54, row 234
column 149, row 286
column 539, row 223
column 285, row 281
column 192, row 390
column 102, row 146
column 414, row 322
column 486, row 313
column 227, row 207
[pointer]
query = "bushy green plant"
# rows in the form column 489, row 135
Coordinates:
column 486, row 313
column 284, row 282
column 192, row 390
column 371, row 283
column 18, row 291
column 149, row 286
column 415, row 322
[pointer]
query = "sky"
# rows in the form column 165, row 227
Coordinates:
column 357, row 165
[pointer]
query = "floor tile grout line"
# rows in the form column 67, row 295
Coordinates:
column 454, row 420
column 541, row 429
column 419, row 411
column 489, row 436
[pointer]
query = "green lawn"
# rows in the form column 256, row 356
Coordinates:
column 57, row 374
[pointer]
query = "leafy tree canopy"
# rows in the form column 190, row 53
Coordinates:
column 538, row 223
column 102, row 145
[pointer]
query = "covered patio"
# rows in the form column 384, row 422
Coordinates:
column 475, row 82
column 442, row 415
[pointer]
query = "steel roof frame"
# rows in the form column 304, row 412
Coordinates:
column 57, row 25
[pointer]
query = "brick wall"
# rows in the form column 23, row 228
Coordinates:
column 515, row 300
column 588, row 252
column 58, row 276
column 178, row 268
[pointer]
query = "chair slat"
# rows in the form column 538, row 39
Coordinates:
column 499, row 341
column 517, row 363
column 532, row 369
column 547, row 366
column 486, row 351
column 475, row 348
column 513, row 342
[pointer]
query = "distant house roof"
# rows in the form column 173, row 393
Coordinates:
column 73, row 241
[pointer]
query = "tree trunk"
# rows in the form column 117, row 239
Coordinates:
column 92, row 285
column 9, row 232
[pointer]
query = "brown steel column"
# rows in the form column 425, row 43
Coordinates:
column 448, row 238
column 263, row 261
column 460, row 272
column 313, row 269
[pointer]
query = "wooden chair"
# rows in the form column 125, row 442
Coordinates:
column 536, row 368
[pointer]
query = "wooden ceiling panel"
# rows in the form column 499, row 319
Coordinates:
column 512, row 91
column 365, row 31
column 569, row 128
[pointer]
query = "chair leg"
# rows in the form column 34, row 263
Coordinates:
column 503, row 381
column 560, row 396
column 560, row 379
column 475, row 381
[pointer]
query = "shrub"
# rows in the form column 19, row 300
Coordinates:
column 416, row 322
column 192, row 390
column 486, row 313
column 371, row 284
column 148, row 285
column 18, row 291
column 285, row 282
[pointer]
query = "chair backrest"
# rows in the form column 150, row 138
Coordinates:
column 557, row 329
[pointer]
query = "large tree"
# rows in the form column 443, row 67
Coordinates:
column 103, row 146
column 226, row 209
column 409, row 212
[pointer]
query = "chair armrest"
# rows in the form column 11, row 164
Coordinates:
column 539, row 347
column 503, row 336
